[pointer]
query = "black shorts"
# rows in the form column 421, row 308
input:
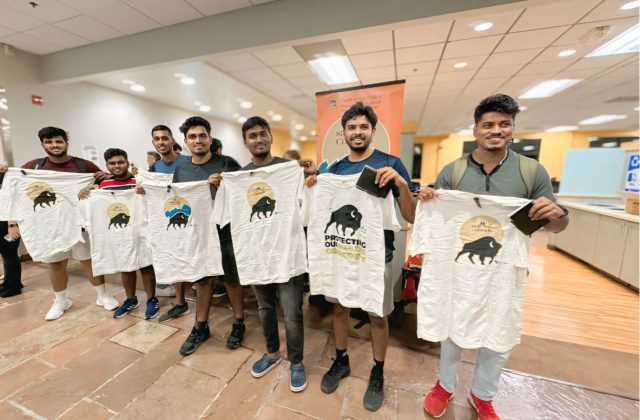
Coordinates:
column 228, row 257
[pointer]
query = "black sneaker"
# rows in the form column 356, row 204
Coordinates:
column 236, row 336
column 197, row 337
column 339, row 369
column 219, row 291
column 175, row 311
column 374, row 396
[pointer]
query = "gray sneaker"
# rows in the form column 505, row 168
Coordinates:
column 374, row 396
column 175, row 312
column 331, row 379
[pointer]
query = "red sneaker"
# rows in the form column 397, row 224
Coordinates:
column 436, row 401
column 483, row 408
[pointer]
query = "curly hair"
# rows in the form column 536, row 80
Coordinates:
column 499, row 102
column 357, row 110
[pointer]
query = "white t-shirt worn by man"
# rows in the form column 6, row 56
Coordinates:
column 263, row 207
column 46, row 206
column 114, row 224
column 345, row 238
column 474, row 270
column 184, row 244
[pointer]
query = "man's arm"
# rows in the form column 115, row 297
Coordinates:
column 406, row 200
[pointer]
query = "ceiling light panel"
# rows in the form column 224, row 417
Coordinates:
column 626, row 42
column 561, row 128
column 548, row 88
column 601, row 119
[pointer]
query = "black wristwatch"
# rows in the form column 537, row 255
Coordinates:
column 565, row 210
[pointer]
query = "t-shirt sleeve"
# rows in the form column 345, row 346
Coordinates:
column 402, row 170
column 220, row 214
column 307, row 204
column 91, row 167
column 542, row 185
column 29, row 165
column 443, row 179
column 389, row 218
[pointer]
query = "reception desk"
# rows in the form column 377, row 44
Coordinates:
column 603, row 235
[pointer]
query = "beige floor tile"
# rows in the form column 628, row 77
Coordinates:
column 64, row 387
column 353, row 406
column 80, row 344
column 275, row 412
column 87, row 410
column 132, row 382
column 26, row 315
column 9, row 412
column 214, row 358
column 181, row 393
column 245, row 395
column 72, row 323
column 27, row 294
column 144, row 335
column 20, row 376
column 410, row 406
column 312, row 401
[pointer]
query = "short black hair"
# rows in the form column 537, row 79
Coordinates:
column 357, row 110
column 109, row 153
column 216, row 145
column 161, row 127
column 253, row 122
column 155, row 155
column 195, row 122
column 51, row 132
column 499, row 102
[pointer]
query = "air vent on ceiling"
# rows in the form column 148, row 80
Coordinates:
column 595, row 35
column 633, row 99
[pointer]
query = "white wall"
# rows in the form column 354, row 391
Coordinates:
column 92, row 116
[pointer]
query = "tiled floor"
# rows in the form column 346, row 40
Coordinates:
column 89, row 365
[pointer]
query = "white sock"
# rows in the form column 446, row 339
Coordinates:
column 60, row 296
column 101, row 290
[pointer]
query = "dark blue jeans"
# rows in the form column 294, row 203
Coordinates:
column 290, row 294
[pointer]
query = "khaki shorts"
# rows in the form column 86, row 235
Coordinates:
column 80, row 252
column 389, row 283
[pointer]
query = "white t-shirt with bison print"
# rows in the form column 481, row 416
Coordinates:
column 184, row 245
column 115, row 223
column 46, row 206
column 474, row 270
column 345, row 236
column 263, row 207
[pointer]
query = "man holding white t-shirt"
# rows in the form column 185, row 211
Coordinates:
column 359, row 125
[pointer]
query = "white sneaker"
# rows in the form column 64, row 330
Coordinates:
column 109, row 302
column 168, row 291
column 57, row 309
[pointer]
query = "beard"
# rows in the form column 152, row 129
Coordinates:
column 261, row 155
column 59, row 153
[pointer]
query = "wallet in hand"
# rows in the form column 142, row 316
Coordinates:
column 367, row 183
column 520, row 219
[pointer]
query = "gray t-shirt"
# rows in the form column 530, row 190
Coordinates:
column 505, row 180
column 187, row 171
column 275, row 160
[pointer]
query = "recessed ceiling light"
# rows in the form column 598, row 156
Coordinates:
column 205, row 108
column 483, row 27
column 522, row 108
column 465, row 132
column 626, row 42
column 601, row 119
column 276, row 117
column 246, row 105
column 566, row 53
column 128, row 82
column 313, row 133
column 548, row 88
column 187, row 80
column 460, row 65
column 270, row 113
column 241, row 120
column 630, row 5
column 299, row 126
column 137, row 88
column 334, row 69
column 562, row 128
column 197, row 103
column 179, row 75
column 303, row 138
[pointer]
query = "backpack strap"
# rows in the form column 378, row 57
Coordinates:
column 459, row 167
column 39, row 163
column 82, row 165
column 528, row 169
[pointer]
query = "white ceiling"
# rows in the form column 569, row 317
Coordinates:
column 519, row 51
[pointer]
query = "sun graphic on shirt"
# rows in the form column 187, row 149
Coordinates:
column 480, row 226
column 37, row 188
column 257, row 191
column 116, row 209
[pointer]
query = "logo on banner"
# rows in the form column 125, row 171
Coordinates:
column 481, row 236
column 262, row 200
column 41, row 193
column 348, row 220
column 118, row 215
column 333, row 102
column 178, row 210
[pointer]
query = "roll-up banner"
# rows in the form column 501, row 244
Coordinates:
column 386, row 99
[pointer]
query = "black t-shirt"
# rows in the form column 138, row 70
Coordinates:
column 188, row 171
column 275, row 160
